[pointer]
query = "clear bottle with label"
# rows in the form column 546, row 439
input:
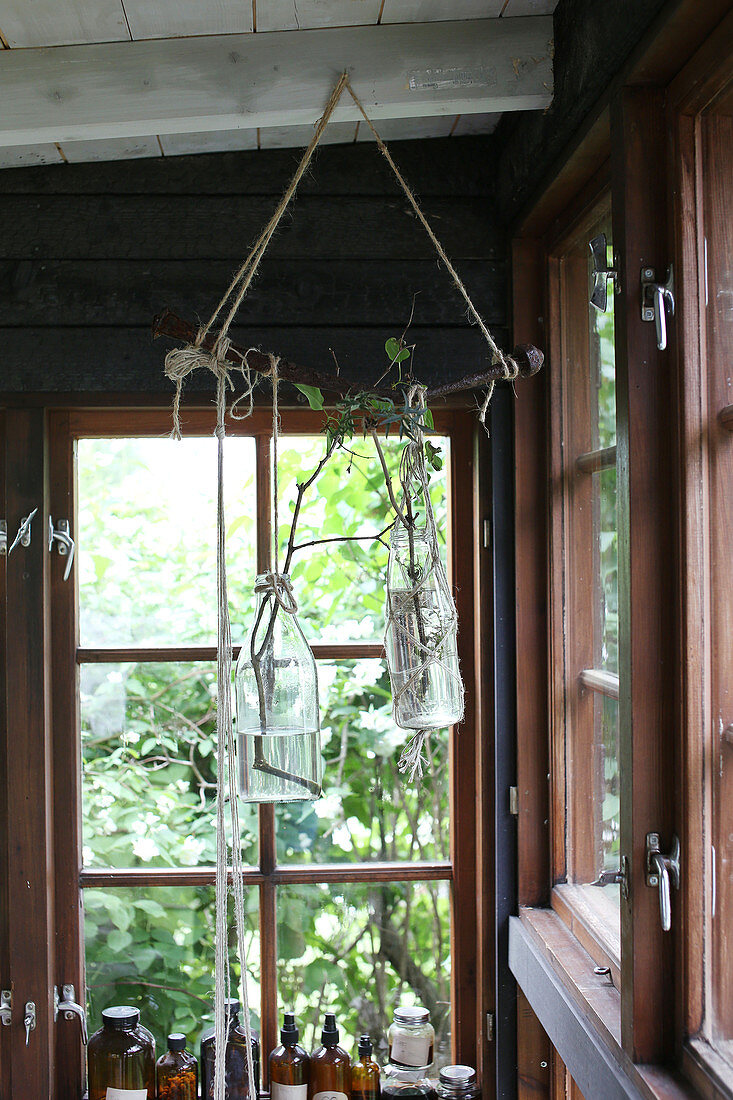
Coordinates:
column 411, row 1038
column 330, row 1068
column 458, row 1083
column 176, row 1071
column 236, row 1077
column 289, row 1065
column 121, row 1057
column 365, row 1072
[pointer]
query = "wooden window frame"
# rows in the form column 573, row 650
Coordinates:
column 42, row 444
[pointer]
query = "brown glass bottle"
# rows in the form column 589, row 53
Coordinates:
column 121, row 1057
column 176, row 1071
column 289, row 1065
column 330, row 1069
column 236, row 1077
column 365, row 1073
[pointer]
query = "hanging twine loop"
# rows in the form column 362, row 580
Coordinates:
column 280, row 586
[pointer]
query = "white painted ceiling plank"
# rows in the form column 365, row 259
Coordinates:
column 517, row 8
column 62, row 22
column 403, row 129
column 163, row 19
column 111, row 149
column 298, row 137
column 476, row 124
column 26, row 156
column 279, row 79
column 212, row 141
column 291, row 15
column 425, row 11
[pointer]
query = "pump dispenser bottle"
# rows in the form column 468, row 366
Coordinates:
column 365, row 1073
column 289, row 1065
column 330, row 1069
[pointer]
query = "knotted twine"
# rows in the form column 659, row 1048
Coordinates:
column 405, row 605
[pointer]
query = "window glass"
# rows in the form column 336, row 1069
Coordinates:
column 361, row 950
column 368, row 811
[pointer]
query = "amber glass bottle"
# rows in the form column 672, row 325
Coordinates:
column 365, row 1073
column 289, row 1065
column 235, row 1077
column 176, row 1071
column 121, row 1057
column 330, row 1070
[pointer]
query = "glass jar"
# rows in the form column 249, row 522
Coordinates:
column 278, row 720
column 405, row 1084
column 411, row 1038
column 236, row 1078
column 421, row 636
column 458, row 1083
column 176, row 1071
column 121, row 1057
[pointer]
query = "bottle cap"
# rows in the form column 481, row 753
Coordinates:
column 330, row 1033
column 365, row 1044
column 460, row 1077
column 231, row 1006
column 177, row 1041
column 411, row 1014
column 288, row 1032
column 121, row 1017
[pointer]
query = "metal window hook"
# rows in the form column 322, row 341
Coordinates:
column 601, row 272
column 61, row 533
column 24, row 532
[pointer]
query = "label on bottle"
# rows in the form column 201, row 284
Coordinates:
column 288, row 1092
column 410, row 1050
column 330, row 1096
column 126, row 1094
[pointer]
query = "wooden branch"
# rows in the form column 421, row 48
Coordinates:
column 167, row 323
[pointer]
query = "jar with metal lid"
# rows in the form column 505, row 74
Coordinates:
column 406, row 1084
column 458, row 1083
column 411, row 1038
column 121, row 1057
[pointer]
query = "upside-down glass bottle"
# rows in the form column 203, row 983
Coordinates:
column 276, row 685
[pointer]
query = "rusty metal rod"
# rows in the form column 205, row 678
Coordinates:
column 167, row 323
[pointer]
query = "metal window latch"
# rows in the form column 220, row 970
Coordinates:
column 656, row 299
column 29, row 1019
column 614, row 878
column 60, row 532
column 6, row 1007
column 3, row 537
column 663, row 872
column 67, row 1005
column 601, row 272
column 24, row 532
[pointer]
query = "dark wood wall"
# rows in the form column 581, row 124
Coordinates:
column 90, row 252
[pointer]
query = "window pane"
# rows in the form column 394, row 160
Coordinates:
column 608, row 796
column 368, row 811
column 603, row 364
column 147, row 540
column 154, row 948
column 340, row 586
column 149, row 767
column 360, row 951
column 606, row 572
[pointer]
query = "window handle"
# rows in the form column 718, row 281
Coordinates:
column 601, row 272
column 60, row 532
column 663, row 872
column 615, row 878
column 29, row 1020
column 67, row 1004
column 24, row 532
column 656, row 299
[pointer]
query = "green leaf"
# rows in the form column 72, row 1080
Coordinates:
column 429, row 422
column 402, row 355
column 314, row 395
column 392, row 347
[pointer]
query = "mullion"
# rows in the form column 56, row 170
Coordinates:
column 294, row 874
column 170, row 654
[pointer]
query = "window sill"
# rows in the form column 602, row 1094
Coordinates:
column 595, row 922
column 581, row 1012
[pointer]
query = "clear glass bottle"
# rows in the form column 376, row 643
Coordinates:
column 330, row 1069
column 121, row 1057
column 236, row 1077
column 411, row 1038
column 458, row 1083
column 365, row 1072
column 406, row 1084
column 278, row 720
column 177, row 1071
column 421, row 635
column 289, row 1065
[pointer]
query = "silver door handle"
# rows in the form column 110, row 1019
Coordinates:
column 61, row 533
column 66, row 1003
column 663, row 872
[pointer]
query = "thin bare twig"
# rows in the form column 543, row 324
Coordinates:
column 376, row 536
